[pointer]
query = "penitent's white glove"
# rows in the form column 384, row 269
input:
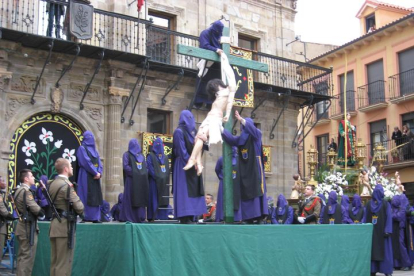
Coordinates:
column 301, row 219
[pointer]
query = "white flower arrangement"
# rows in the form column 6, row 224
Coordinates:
column 332, row 182
column 390, row 188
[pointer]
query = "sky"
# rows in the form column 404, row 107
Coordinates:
column 332, row 21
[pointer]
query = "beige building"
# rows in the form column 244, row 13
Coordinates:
column 35, row 59
column 379, row 70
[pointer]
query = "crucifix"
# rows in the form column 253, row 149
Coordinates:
column 234, row 61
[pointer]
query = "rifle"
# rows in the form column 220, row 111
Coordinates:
column 71, row 217
column 11, row 199
column 49, row 200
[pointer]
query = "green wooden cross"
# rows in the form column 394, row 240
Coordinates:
column 227, row 153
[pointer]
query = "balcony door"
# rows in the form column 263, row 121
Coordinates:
column 406, row 67
column 350, row 92
column 375, row 75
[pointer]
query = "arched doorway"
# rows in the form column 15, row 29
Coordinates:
column 39, row 141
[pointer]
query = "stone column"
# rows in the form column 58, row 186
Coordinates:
column 113, row 160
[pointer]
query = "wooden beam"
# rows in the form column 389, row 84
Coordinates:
column 376, row 38
column 387, row 33
column 210, row 55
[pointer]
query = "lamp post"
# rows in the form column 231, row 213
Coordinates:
column 380, row 156
column 312, row 162
column 361, row 153
column 331, row 158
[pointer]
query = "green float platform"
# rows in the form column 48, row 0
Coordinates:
column 171, row 249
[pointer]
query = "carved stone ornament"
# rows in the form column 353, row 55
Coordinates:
column 13, row 104
column 56, row 96
column 76, row 92
column 116, row 94
column 96, row 115
column 4, row 79
column 81, row 20
column 24, row 83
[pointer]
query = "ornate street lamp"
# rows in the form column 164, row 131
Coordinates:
column 380, row 156
column 312, row 162
column 361, row 153
column 331, row 158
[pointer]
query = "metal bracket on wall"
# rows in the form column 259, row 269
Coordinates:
column 234, row 131
column 98, row 67
column 50, row 45
column 144, row 79
column 77, row 50
column 144, row 69
column 265, row 98
column 309, row 112
column 285, row 105
column 174, row 86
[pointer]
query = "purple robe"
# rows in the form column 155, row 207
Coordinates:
column 210, row 38
column 385, row 266
column 40, row 198
column 183, row 204
column 116, row 209
column 220, row 205
column 323, row 206
column 92, row 213
column 152, row 209
column 281, row 209
column 127, row 212
column 256, row 207
column 399, row 216
column 345, row 206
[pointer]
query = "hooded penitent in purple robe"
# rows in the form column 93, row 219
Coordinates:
column 333, row 212
column 253, row 182
column 209, row 40
column 159, row 178
column 400, row 253
column 283, row 213
column 89, row 189
column 345, row 208
column 378, row 212
column 135, row 184
column 356, row 210
column 116, row 209
column 188, row 191
column 236, row 189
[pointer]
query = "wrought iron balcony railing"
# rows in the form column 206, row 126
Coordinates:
column 48, row 18
column 395, row 154
column 372, row 93
column 402, row 84
column 339, row 103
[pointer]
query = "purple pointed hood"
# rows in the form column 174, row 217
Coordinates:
column 396, row 202
column 404, row 201
column 281, row 204
column 187, row 122
column 356, row 204
column 332, row 202
column 345, row 202
column 377, row 197
column 323, row 199
column 135, row 149
column 105, row 208
column 89, row 143
column 244, row 134
column 158, row 149
column 216, row 32
column 120, row 197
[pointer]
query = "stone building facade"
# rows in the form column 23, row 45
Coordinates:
column 269, row 24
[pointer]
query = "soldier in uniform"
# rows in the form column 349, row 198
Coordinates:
column 4, row 215
column 65, row 198
column 310, row 208
column 26, row 229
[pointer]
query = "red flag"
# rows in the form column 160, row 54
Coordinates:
column 140, row 3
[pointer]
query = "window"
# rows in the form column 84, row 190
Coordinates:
column 408, row 119
column 158, row 121
column 378, row 131
column 159, row 43
column 369, row 22
column 350, row 92
column 409, row 188
column 322, row 143
column 247, row 42
column 406, row 71
column 376, row 88
column 322, row 88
